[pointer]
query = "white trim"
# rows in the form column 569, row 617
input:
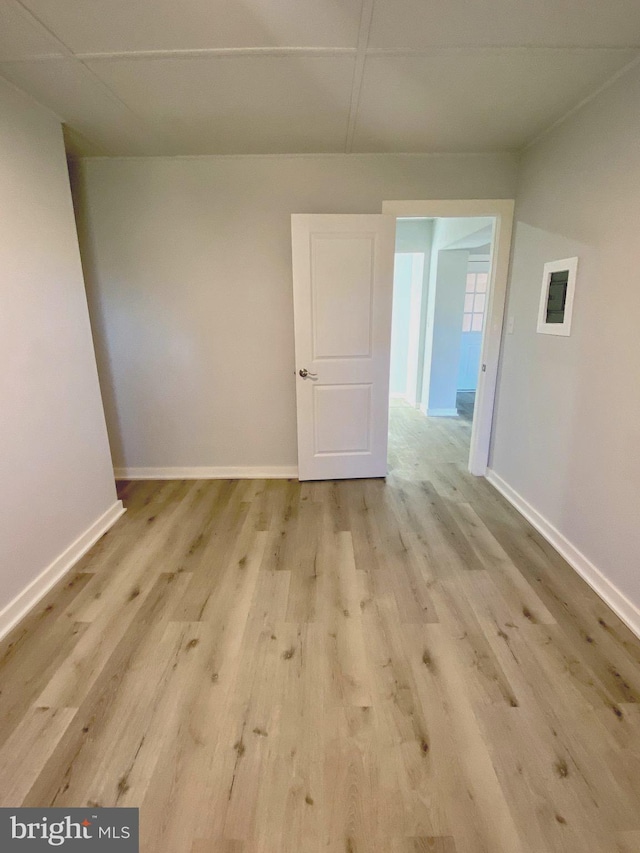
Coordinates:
column 40, row 586
column 599, row 583
column 442, row 413
column 569, row 265
column 437, row 413
column 268, row 472
column 502, row 211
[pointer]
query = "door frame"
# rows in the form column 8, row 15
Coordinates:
column 502, row 210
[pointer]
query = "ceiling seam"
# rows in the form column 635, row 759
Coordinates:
column 366, row 16
column 217, row 53
column 31, row 97
column 308, row 52
column 360, row 52
column 437, row 50
column 49, row 34
column 310, row 156
column 82, row 137
column 583, row 103
column 70, row 55
column 28, row 15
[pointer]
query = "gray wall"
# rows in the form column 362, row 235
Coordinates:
column 448, row 233
column 54, row 456
column 449, row 285
column 414, row 236
column 188, row 269
column 567, row 435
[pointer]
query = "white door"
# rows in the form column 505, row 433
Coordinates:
column 342, row 292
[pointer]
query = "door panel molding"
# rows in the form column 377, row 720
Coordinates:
column 342, row 295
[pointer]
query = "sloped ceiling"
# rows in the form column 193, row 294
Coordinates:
column 143, row 77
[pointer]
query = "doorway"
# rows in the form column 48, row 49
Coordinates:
column 450, row 275
column 343, row 289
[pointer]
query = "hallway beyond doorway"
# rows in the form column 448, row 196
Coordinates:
column 421, row 447
column 465, row 402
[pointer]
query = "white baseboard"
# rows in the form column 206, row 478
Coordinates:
column 441, row 413
column 40, row 586
column 268, row 472
column 610, row 594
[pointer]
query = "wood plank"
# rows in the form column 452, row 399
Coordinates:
column 25, row 753
column 337, row 667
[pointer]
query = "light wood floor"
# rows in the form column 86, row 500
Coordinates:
column 465, row 402
column 363, row 667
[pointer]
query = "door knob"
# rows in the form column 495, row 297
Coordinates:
column 305, row 374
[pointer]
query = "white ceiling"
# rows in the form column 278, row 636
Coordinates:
column 296, row 76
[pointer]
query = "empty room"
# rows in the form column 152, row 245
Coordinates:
column 320, row 426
